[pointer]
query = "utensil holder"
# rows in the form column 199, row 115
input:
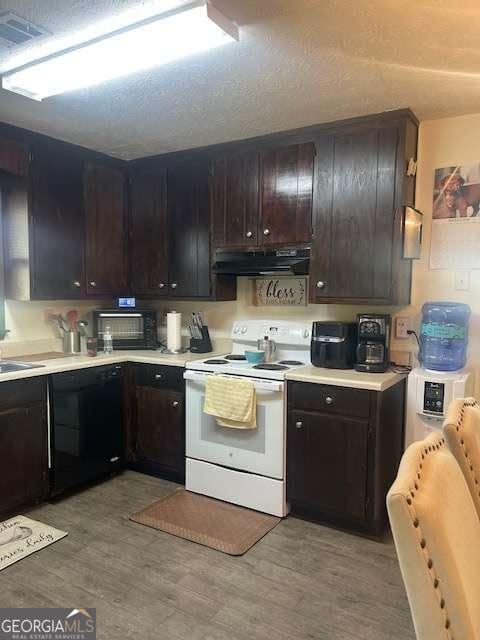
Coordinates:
column 203, row 344
column 71, row 342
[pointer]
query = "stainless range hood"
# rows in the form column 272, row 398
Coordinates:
column 258, row 263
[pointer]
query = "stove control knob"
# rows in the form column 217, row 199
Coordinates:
column 243, row 330
column 306, row 333
column 236, row 330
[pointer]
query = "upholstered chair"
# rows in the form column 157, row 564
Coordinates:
column 437, row 536
column 462, row 431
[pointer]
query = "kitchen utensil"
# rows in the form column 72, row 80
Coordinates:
column 200, row 342
column 63, row 322
column 72, row 319
column 255, row 357
column 71, row 342
column 268, row 346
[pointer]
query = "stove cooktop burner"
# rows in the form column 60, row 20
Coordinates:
column 234, row 356
column 216, row 361
column 292, row 363
column 271, row 367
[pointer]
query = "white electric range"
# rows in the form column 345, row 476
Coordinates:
column 245, row 467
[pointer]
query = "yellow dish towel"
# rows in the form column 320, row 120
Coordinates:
column 231, row 401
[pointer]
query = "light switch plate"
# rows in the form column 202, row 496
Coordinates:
column 462, row 280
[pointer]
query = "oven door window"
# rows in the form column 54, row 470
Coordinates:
column 122, row 328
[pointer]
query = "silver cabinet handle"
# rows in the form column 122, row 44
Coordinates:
column 92, row 283
column 249, row 234
column 266, row 232
column 161, row 285
column 158, row 376
column 175, row 404
column 299, row 424
column 320, row 284
column 329, row 400
column 76, row 283
column 174, row 285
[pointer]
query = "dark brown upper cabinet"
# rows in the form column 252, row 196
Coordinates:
column 235, row 200
column 105, row 226
column 286, row 195
column 361, row 190
column 149, row 234
column 188, row 205
column 44, row 228
column 14, row 157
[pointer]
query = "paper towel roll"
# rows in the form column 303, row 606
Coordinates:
column 174, row 331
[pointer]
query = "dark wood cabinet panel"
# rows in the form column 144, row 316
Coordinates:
column 287, row 193
column 342, row 456
column 23, row 444
column 189, row 229
column 354, row 245
column 327, row 463
column 105, row 220
column 14, row 157
column 148, row 234
column 235, row 200
column 160, row 432
column 56, row 225
column 155, row 416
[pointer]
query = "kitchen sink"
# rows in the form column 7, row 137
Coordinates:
column 10, row 367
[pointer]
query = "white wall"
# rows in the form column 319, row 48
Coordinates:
column 444, row 142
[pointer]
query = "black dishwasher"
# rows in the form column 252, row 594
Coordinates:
column 86, row 425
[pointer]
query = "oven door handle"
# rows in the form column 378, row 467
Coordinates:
column 260, row 385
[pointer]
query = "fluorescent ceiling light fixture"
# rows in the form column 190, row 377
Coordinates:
column 193, row 28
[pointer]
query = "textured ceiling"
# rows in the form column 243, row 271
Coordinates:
column 299, row 62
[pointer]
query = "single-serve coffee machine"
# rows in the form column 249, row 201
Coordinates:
column 373, row 351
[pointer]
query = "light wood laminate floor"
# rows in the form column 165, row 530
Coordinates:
column 301, row 581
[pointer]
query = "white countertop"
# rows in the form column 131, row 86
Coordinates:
column 70, row 363
column 318, row 375
column 346, row 378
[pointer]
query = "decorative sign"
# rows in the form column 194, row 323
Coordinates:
column 277, row 291
column 455, row 238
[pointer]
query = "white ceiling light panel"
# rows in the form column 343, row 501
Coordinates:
column 192, row 29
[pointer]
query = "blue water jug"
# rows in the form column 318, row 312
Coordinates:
column 444, row 335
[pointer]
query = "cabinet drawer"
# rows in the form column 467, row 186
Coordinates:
column 305, row 396
column 157, row 376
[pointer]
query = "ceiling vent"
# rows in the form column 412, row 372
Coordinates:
column 15, row 30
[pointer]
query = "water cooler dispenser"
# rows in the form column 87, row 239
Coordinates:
column 442, row 377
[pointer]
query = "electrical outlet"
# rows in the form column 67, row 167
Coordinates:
column 402, row 326
column 462, row 280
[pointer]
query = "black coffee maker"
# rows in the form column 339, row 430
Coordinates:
column 373, row 347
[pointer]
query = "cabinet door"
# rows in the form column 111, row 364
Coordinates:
column 327, row 463
column 23, row 457
column 13, row 157
column 105, row 230
column 353, row 230
column 159, row 429
column 57, row 225
column 287, row 191
column 235, row 200
column 189, row 229
column 148, row 234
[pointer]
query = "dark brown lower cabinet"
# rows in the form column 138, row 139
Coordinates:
column 23, row 444
column 156, row 420
column 343, row 451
